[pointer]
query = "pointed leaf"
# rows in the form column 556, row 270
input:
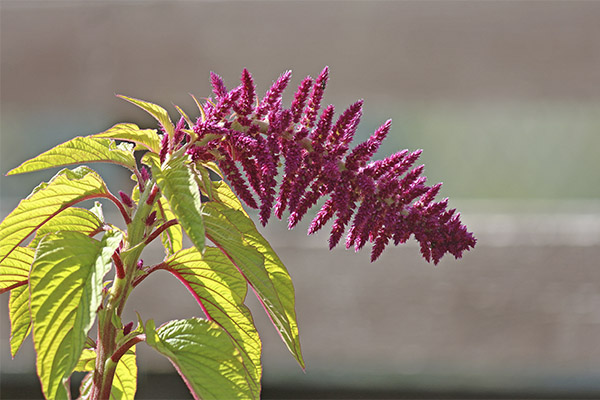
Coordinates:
column 224, row 195
column 177, row 184
column 77, row 151
column 20, row 321
column 72, row 219
column 14, row 269
column 66, row 290
column 66, row 188
column 184, row 115
column 205, row 357
column 236, row 235
column 200, row 108
column 132, row 133
column 159, row 113
column 221, row 290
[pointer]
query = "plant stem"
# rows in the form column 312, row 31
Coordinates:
column 160, row 230
column 123, row 349
column 107, row 317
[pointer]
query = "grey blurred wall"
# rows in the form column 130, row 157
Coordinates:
column 502, row 96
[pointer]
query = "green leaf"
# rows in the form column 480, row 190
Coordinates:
column 20, row 321
column 159, row 113
column 147, row 138
column 236, row 235
column 124, row 382
column 223, row 194
column 200, row 108
column 87, row 361
column 66, row 290
column 172, row 238
column 65, row 189
column 72, row 219
column 205, row 357
column 77, row 151
column 213, row 167
column 14, row 269
column 185, row 117
column 14, row 273
column 203, row 180
column 177, row 184
column 221, row 290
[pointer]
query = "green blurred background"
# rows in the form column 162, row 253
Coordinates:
column 502, row 96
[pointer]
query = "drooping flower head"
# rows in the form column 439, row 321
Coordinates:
column 372, row 201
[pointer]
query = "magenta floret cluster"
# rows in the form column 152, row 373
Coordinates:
column 378, row 201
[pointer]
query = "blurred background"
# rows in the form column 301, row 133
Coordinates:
column 502, row 96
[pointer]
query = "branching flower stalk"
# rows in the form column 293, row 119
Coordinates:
column 276, row 159
column 381, row 201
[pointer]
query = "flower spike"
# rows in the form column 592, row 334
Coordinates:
column 379, row 201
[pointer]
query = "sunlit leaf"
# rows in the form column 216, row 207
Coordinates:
column 20, row 321
column 66, row 290
column 236, row 235
column 77, row 151
column 132, row 133
column 223, row 194
column 220, row 290
column 71, row 219
column 205, row 357
column 86, row 362
column 159, row 113
column 184, row 115
column 125, row 380
column 66, row 188
column 14, row 269
column 200, row 108
column 177, row 184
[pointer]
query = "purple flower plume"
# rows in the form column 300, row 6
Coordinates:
column 380, row 201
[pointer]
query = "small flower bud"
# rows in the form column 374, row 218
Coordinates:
column 219, row 88
column 145, row 175
column 164, row 148
column 151, row 219
column 127, row 328
column 273, row 95
column 126, row 199
column 300, row 99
